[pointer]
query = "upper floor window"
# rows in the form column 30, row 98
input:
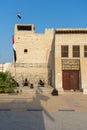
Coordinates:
column 25, row 50
column 85, row 51
column 64, row 51
column 24, row 28
column 76, row 51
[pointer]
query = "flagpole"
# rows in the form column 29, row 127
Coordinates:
column 15, row 58
column 15, row 70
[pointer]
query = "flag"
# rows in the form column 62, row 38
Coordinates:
column 19, row 15
column 12, row 39
column 15, row 58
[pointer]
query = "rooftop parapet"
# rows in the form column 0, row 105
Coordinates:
column 71, row 31
column 49, row 30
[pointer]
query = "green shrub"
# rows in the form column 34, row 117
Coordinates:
column 7, row 83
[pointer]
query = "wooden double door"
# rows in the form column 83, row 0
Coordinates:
column 70, row 80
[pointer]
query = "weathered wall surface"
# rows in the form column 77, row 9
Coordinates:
column 39, row 55
column 70, row 40
column 35, row 55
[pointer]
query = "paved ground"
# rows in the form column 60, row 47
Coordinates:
column 70, row 101
column 40, row 120
column 43, row 112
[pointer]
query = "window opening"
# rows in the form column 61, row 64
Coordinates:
column 25, row 50
column 64, row 51
column 76, row 51
column 85, row 51
column 24, row 28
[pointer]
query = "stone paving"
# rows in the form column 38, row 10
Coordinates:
column 40, row 120
column 74, row 102
column 43, row 112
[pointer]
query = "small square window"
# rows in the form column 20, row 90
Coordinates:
column 25, row 50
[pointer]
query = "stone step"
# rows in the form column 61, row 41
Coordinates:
column 44, row 90
column 27, row 90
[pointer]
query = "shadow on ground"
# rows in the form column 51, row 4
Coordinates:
column 24, row 113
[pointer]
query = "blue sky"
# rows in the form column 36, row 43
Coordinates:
column 43, row 14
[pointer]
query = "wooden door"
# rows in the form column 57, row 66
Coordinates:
column 66, row 85
column 70, row 80
column 74, row 80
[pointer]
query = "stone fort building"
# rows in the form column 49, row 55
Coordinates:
column 57, row 57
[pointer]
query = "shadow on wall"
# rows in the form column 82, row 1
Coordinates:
column 51, row 64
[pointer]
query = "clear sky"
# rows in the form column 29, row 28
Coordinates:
column 43, row 14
